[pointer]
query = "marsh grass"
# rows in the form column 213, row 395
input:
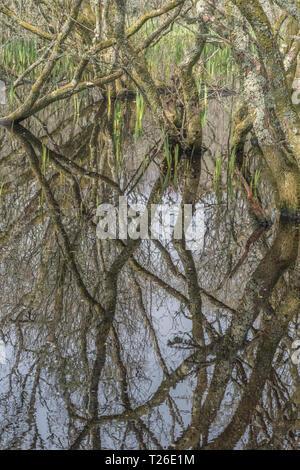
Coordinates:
column 18, row 54
column 216, row 64
column 165, row 56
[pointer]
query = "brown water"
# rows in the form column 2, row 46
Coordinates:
column 198, row 354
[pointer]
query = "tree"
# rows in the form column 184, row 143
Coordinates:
column 86, row 91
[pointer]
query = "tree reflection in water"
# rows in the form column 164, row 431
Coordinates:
column 139, row 344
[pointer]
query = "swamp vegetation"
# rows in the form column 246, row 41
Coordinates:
column 145, row 344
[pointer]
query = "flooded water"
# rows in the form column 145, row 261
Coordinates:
column 140, row 344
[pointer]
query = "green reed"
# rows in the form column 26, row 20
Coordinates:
column 217, row 177
column 204, row 107
column 17, row 55
column 11, row 94
column 230, row 172
column 76, row 104
column 139, row 115
column 169, row 161
column 176, row 161
column 254, row 183
column 117, row 125
column 1, row 191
